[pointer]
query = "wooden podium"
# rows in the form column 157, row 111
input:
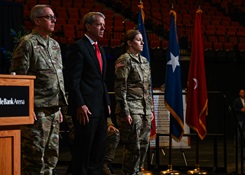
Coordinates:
column 16, row 109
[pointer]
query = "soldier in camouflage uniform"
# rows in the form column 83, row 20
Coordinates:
column 133, row 103
column 113, row 138
column 39, row 55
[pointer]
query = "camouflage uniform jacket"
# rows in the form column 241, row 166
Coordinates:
column 41, row 58
column 109, row 122
column 133, row 85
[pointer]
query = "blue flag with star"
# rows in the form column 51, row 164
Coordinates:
column 173, row 86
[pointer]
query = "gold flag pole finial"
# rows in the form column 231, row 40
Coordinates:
column 142, row 11
column 172, row 11
column 174, row 14
column 199, row 8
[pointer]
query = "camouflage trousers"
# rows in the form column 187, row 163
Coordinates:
column 40, row 143
column 113, row 139
column 135, row 139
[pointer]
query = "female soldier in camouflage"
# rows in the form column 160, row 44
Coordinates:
column 134, row 105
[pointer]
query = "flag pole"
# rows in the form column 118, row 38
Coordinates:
column 170, row 170
column 197, row 170
column 146, row 54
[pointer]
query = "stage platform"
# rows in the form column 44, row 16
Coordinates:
column 182, row 159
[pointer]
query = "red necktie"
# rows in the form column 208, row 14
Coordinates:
column 97, row 50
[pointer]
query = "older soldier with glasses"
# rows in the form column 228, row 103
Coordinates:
column 39, row 55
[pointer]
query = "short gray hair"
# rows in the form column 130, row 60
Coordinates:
column 37, row 10
column 89, row 18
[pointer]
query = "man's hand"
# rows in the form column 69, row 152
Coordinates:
column 243, row 109
column 34, row 116
column 82, row 115
column 112, row 128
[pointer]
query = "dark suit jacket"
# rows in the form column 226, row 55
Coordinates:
column 84, row 81
column 237, row 106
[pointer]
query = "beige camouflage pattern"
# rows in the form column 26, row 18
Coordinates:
column 40, row 141
column 40, row 144
column 112, row 141
column 133, row 85
column 133, row 97
column 135, row 139
column 35, row 56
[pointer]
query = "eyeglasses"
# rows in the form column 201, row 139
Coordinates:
column 48, row 17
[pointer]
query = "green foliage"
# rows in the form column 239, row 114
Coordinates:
column 16, row 35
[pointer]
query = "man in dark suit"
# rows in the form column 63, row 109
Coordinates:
column 89, row 103
column 239, row 108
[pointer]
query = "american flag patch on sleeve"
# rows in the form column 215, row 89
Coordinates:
column 120, row 64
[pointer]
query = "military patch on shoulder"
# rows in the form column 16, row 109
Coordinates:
column 120, row 64
column 55, row 48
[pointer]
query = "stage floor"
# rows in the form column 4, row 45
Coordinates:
column 182, row 160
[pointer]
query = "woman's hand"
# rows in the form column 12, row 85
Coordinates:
column 152, row 116
column 128, row 119
column 112, row 128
